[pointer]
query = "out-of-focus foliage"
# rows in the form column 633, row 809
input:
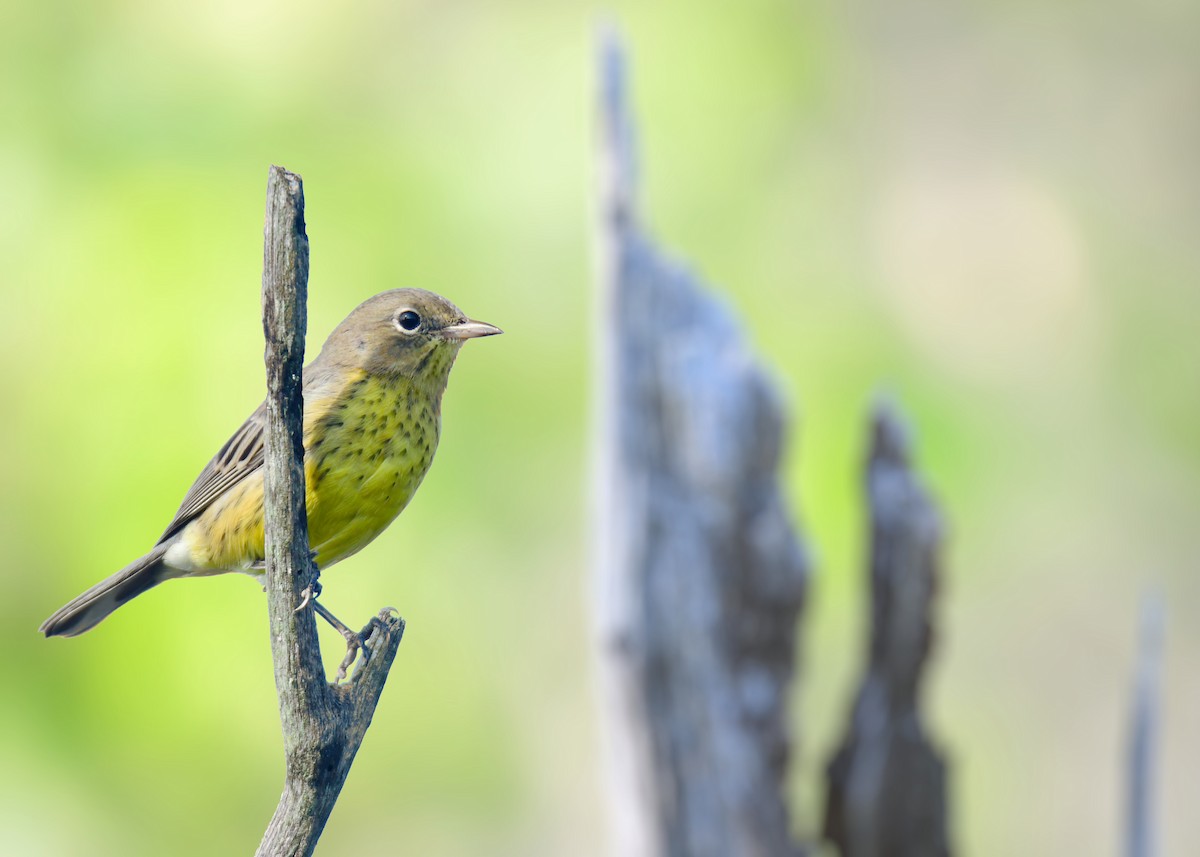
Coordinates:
column 990, row 208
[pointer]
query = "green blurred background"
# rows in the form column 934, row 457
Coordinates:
column 990, row 210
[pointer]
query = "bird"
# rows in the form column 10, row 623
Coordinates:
column 372, row 418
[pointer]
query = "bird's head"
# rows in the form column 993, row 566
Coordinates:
column 406, row 332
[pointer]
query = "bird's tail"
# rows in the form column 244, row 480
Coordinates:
column 87, row 610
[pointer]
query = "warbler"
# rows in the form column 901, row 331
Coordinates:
column 372, row 417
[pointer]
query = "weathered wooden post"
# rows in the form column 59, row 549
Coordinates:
column 887, row 783
column 1141, row 826
column 699, row 576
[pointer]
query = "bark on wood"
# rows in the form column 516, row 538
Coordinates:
column 323, row 724
column 887, row 783
column 1143, row 734
column 699, row 575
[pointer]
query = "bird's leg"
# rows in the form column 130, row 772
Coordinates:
column 355, row 642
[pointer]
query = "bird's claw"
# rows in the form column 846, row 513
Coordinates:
column 355, row 643
column 308, row 593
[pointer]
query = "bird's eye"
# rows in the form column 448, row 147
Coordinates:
column 408, row 321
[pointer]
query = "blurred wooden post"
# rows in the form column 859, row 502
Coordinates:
column 1143, row 731
column 323, row 724
column 699, row 577
column 887, row 783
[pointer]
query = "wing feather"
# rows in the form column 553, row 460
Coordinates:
column 241, row 455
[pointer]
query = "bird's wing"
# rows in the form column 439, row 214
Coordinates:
column 241, row 455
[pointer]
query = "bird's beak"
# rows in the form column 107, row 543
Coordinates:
column 469, row 330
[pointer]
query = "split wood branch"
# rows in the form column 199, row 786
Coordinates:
column 323, row 723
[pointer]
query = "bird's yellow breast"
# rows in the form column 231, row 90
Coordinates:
column 366, row 451
column 363, row 463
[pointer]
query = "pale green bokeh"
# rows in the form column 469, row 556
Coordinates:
column 991, row 211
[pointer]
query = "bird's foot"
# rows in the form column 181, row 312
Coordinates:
column 355, row 641
column 309, row 595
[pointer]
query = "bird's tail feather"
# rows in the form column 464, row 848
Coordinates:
column 87, row 610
